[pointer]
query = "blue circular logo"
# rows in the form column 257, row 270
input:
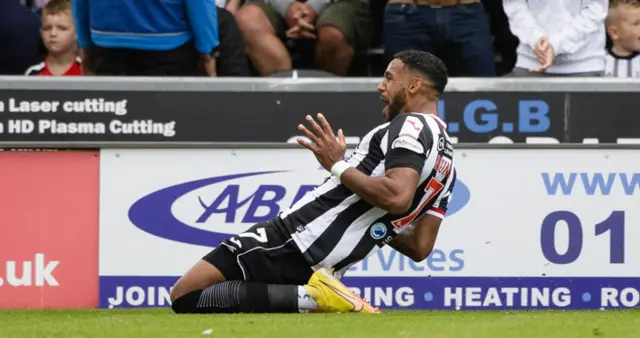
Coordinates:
column 378, row 231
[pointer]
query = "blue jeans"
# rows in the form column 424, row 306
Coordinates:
column 459, row 35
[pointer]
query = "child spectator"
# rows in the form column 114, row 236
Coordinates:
column 623, row 28
column 59, row 37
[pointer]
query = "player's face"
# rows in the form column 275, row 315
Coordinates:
column 625, row 31
column 392, row 89
column 58, row 32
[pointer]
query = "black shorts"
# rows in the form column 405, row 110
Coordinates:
column 264, row 253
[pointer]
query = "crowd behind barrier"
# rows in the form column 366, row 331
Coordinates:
column 475, row 38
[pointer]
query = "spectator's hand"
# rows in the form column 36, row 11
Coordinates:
column 233, row 6
column 294, row 12
column 540, row 54
column 302, row 30
column 545, row 54
column 300, row 17
column 209, row 65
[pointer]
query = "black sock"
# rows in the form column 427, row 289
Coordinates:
column 239, row 297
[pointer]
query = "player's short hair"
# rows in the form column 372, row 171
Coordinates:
column 56, row 6
column 428, row 65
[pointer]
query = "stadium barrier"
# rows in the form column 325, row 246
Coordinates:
column 107, row 111
column 112, row 223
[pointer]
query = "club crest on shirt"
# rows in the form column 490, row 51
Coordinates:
column 378, row 231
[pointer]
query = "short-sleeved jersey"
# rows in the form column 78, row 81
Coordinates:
column 335, row 228
column 42, row 69
column 622, row 66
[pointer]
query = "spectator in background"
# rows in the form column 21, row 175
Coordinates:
column 558, row 37
column 59, row 37
column 340, row 29
column 20, row 44
column 150, row 37
column 232, row 58
column 504, row 42
column 623, row 28
column 457, row 31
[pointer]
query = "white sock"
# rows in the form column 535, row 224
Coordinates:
column 305, row 301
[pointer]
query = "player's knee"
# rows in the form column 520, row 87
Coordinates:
column 174, row 294
column 185, row 303
column 179, row 289
column 252, row 21
column 177, row 305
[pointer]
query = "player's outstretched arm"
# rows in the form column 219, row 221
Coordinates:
column 417, row 241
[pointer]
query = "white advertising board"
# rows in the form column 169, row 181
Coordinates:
column 525, row 229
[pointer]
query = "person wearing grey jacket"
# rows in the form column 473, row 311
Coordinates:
column 340, row 28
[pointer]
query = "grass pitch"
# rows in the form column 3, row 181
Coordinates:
column 390, row 324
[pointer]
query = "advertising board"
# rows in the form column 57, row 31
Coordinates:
column 526, row 229
column 161, row 116
column 217, row 110
column 49, row 229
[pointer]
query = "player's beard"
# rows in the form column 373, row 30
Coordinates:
column 396, row 105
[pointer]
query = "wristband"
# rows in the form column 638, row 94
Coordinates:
column 338, row 168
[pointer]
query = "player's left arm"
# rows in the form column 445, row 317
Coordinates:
column 417, row 241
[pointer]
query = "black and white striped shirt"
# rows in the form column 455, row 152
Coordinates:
column 335, row 228
column 622, row 66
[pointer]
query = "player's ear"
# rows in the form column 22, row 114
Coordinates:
column 415, row 86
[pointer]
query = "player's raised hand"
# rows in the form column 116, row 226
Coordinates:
column 327, row 147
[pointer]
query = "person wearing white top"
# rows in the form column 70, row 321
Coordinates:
column 558, row 37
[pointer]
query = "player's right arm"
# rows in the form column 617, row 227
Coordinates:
column 407, row 151
column 392, row 192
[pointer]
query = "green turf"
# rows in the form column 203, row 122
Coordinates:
column 390, row 324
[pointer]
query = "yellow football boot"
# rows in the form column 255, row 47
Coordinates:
column 333, row 296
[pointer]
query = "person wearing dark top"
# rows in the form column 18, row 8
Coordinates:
column 20, row 43
column 231, row 58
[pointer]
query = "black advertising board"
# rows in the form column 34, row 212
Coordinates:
column 607, row 117
column 260, row 116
